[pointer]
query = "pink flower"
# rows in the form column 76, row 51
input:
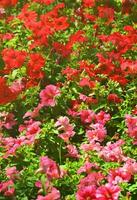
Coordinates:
column 119, row 175
column 49, row 167
column 17, row 86
column 8, row 120
column 66, row 135
column 72, row 151
column 31, row 127
column 97, row 134
column 92, row 146
column 108, row 192
column 113, row 152
column 131, row 123
column 12, row 173
column 130, row 166
column 87, row 116
column 87, row 167
column 102, row 117
column 7, row 188
column 34, row 113
column 87, row 192
column 48, row 95
column 9, row 192
column 92, row 178
column 63, row 125
column 53, row 195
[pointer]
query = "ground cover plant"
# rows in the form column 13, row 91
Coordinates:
column 68, row 111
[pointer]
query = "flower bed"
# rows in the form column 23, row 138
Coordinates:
column 68, row 112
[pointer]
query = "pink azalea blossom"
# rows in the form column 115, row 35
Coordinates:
column 113, row 152
column 17, row 86
column 72, row 151
column 48, row 95
column 34, row 113
column 93, row 178
column 130, row 166
column 87, row 167
column 108, row 192
column 49, row 167
column 53, row 195
column 92, row 146
column 12, row 173
column 31, row 127
column 102, row 117
column 131, row 123
column 119, row 175
column 87, row 116
column 63, row 124
column 97, row 134
column 7, row 120
column 7, row 188
column 87, row 192
column 66, row 135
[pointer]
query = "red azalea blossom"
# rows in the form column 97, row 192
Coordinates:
column 88, row 3
column 6, row 94
column 6, row 3
column 47, row 2
column 114, row 98
column 106, row 12
column 35, row 65
column 13, row 58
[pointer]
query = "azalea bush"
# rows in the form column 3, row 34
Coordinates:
column 68, row 112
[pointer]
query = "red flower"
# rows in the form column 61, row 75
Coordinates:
column 106, row 12
column 6, row 94
column 47, row 2
column 27, row 16
column 6, row 3
column 70, row 73
column 114, row 98
column 87, row 82
column 62, row 49
column 61, row 23
column 88, row 3
column 35, row 64
column 13, row 58
column 127, row 6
